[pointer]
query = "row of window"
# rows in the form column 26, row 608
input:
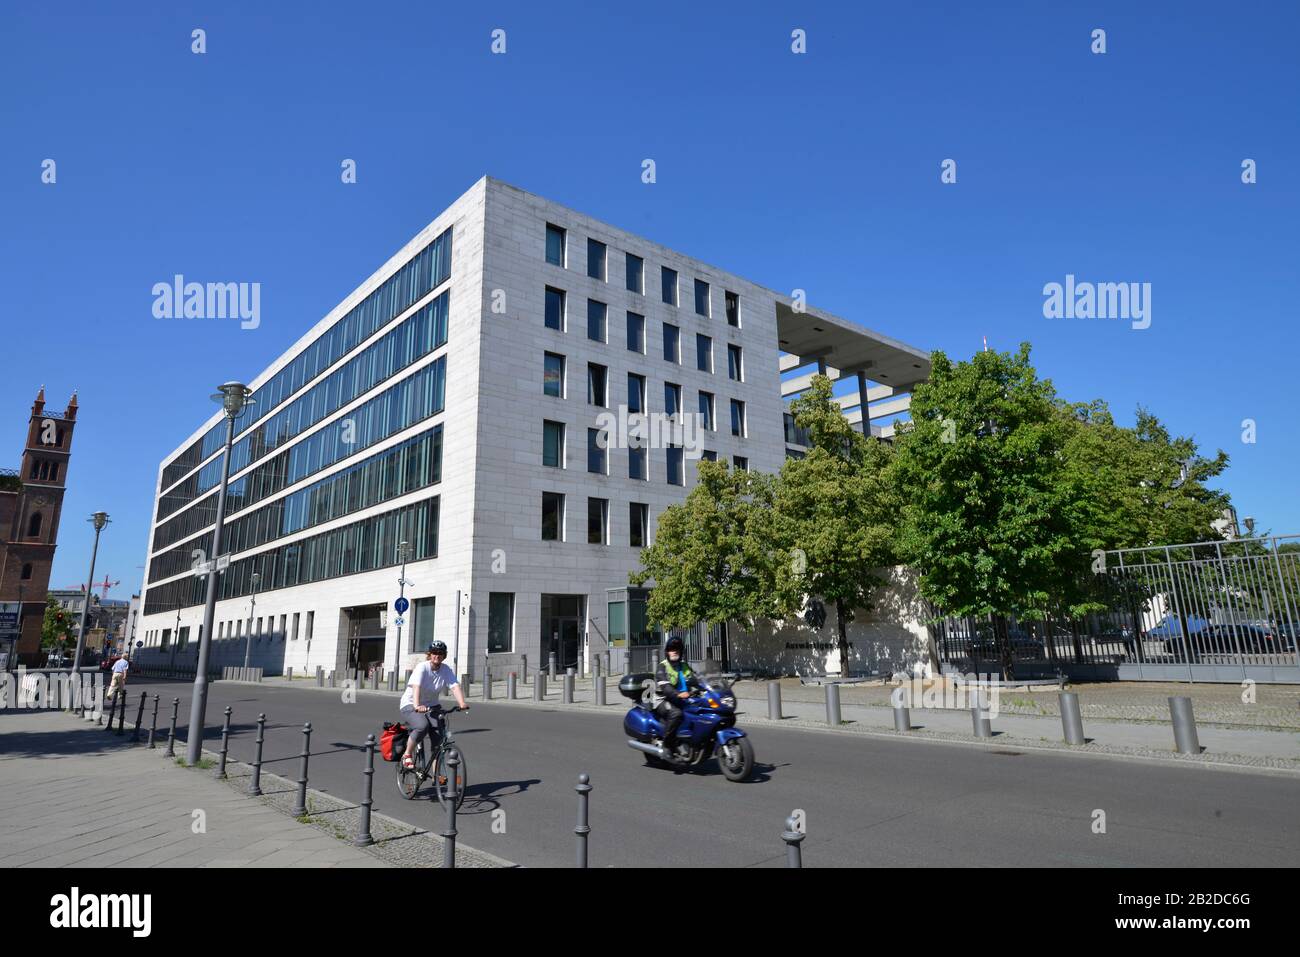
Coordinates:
column 554, row 445
column 421, row 333
column 413, row 464
column 401, row 405
column 161, row 638
column 44, row 470
column 634, row 274
column 555, row 316
column 553, row 521
column 362, row 546
column 424, row 273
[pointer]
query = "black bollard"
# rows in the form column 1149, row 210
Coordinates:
column 112, row 711
column 153, row 725
column 139, row 717
column 121, row 713
column 449, row 832
column 364, row 838
column 225, row 744
column 171, row 734
column 255, row 788
column 582, row 829
column 792, row 837
column 300, row 802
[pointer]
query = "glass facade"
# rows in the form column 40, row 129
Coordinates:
column 501, row 622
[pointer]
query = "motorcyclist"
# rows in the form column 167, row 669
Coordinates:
column 674, row 679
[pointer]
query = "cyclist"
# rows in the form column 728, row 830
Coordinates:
column 673, row 680
column 429, row 680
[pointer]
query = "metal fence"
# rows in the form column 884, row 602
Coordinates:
column 1206, row 611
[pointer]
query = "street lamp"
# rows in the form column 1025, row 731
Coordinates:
column 248, row 632
column 99, row 520
column 234, row 398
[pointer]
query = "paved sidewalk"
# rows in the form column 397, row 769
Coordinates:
column 73, row 795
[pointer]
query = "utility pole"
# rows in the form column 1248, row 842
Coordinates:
column 99, row 520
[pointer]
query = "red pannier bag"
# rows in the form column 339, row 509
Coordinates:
column 393, row 741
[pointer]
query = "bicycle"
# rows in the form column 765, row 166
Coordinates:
column 433, row 766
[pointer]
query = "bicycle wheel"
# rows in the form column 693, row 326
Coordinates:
column 408, row 781
column 441, row 781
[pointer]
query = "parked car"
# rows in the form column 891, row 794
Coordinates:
column 1170, row 627
column 1024, row 646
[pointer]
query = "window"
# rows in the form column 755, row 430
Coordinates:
column 596, row 259
column 422, row 628
column 597, row 521
column 239, row 628
column 706, row 410
column 735, row 367
column 676, row 475
column 597, row 376
column 554, row 245
column 709, row 455
column 552, row 517
column 283, row 629
column 295, row 626
column 703, row 353
column 733, row 308
column 166, row 638
column 672, row 398
column 636, row 333
column 596, row 451
column 596, row 320
column 54, row 471
column 221, row 630
column 702, row 297
column 27, row 571
column 636, row 460
column 259, row 629
column 740, row 462
column 668, row 283
column 501, row 622
column 638, row 524
column 34, row 526
column 553, row 377
column 635, row 392
column 311, row 624
column 635, row 274
column 553, row 444
column 672, row 343
column 554, row 308
column 737, row 418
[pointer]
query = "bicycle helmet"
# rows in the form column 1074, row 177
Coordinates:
column 438, row 648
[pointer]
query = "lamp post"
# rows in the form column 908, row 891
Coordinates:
column 248, row 632
column 233, row 397
column 99, row 520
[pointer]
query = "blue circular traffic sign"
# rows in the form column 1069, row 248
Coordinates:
column 401, row 605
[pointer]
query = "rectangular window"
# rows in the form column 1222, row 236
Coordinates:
column 635, row 392
column 638, row 524
column 596, row 312
column 709, row 455
column 702, row 297
column 676, row 467
column 668, row 284
column 554, row 308
column 283, row 629
column 311, row 623
column 259, row 629
column 422, row 629
column 552, row 517
column 501, row 622
column 672, row 398
column 596, row 451
column 166, row 637
column 636, row 333
column 733, row 308
column 635, row 274
column 636, row 460
column 553, row 377
column 597, row 376
column 735, row 365
column 597, row 521
column 596, row 259
column 706, row 410
column 737, row 418
column 295, row 626
column 703, row 353
column 554, row 245
column 553, row 444
column 740, row 462
column 672, row 343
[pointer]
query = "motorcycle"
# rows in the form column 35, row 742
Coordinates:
column 708, row 727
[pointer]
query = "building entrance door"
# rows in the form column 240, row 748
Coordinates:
column 364, row 648
column 563, row 617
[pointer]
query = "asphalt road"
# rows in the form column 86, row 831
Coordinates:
column 867, row 801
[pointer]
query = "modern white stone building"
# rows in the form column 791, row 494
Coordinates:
column 454, row 401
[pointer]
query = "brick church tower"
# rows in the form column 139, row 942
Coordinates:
column 31, row 504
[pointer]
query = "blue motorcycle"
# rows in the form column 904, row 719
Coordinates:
column 708, row 727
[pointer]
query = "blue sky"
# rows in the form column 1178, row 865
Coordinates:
column 817, row 171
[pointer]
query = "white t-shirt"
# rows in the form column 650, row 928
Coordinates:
column 432, row 684
column 120, row 666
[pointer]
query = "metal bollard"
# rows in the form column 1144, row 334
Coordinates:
column 333, row 680
column 392, row 680
column 566, row 694
column 289, row 673
column 487, row 686
column 139, row 717
column 255, row 787
column 121, row 713
column 449, row 832
column 225, row 745
column 300, row 802
column 465, row 685
column 595, row 666
column 981, row 725
column 774, row 700
column 510, row 686
column 598, row 687
column 320, row 677
column 364, row 838
column 539, row 686
column 551, row 666
column 374, row 680
column 582, row 829
column 1071, row 718
column 902, row 718
column 833, row 705
column 523, row 668
column 792, row 838
column 153, row 725
column 1185, row 737
column 171, row 733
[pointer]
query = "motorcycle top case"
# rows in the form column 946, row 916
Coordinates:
column 632, row 686
column 641, row 724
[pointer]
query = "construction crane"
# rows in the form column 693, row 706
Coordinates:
column 105, row 584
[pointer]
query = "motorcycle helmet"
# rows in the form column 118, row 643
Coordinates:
column 675, row 644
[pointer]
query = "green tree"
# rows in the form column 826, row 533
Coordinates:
column 57, row 627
